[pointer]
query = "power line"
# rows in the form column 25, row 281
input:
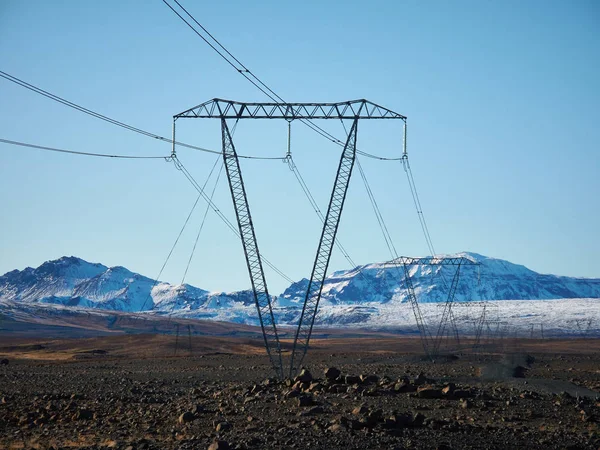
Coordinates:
column 417, row 203
column 384, row 229
column 316, row 208
column 201, row 227
column 256, row 81
column 177, row 239
column 212, row 194
column 246, row 73
column 179, row 165
column 97, row 115
column 73, row 152
column 241, row 71
column 265, row 89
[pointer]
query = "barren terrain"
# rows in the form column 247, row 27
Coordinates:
column 137, row 392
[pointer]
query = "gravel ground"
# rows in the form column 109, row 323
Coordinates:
column 346, row 400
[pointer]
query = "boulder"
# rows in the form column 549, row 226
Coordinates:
column 429, row 392
column 332, row 373
column 219, row 445
column 449, row 389
column 186, row 417
column 420, row 379
column 304, row 376
column 403, row 387
column 304, row 400
column 360, row 410
column 351, row 379
column 368, row 379
column 223, row 426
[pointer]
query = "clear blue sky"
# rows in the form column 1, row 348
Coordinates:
column 502, row 104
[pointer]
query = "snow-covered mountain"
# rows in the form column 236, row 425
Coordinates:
column 492, row 279
column 71, row 281
column 366, row 295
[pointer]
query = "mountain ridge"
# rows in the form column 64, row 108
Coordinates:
column 349, row 296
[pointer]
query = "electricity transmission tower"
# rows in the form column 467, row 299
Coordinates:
column 431, row 344
column 225, row 110
column 537, row 330
column 189, row 330
column 584, row 326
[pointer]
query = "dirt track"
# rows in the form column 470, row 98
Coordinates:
column 127, row 392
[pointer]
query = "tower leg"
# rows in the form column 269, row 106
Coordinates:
column 330, row 227
column 253, row 260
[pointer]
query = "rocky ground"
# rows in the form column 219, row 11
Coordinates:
column 347, row 399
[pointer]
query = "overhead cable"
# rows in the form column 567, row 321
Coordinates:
column 255, row 80
column 315, row 207
column 382, row 225
column 200, row 230
column 73, row 152
column 97, row 115
column 212, row 194
column 177, row 239
column 417, row 203
column 179, row 165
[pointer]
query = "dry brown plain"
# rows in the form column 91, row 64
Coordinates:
column 130, row 391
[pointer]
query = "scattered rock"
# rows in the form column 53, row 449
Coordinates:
column 443, row 446
column 461, row 393
column 315, row 387
column 304, row 400
column 418, row 420
column 528, row 395
column 313, row 411
column 335, row 428
column 337, row 388
column 449, row 389
column 352, row 424
column 304, row 376
column 420, row 379
column 200, row 409
column 83, row 414
column 292, row 393
column 223, row 426
column 226, row 399
column 400, row 420
column 360, row 410
column 429, row 392
column 351, row 379
column 404, row 387
column 219, row 445
column 374, row 416
column 332, row 373
column 269, row 382
column 368, row 379
column 186, row 417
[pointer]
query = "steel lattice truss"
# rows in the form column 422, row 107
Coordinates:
column 227, row 109
column 255, row 268
column 432, row 261
column 431, row 345
column 330, row 226
column 474, row 304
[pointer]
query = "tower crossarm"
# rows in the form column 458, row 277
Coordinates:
column 432, row 261
column 218, row 108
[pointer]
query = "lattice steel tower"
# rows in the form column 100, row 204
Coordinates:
column 232, row 110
